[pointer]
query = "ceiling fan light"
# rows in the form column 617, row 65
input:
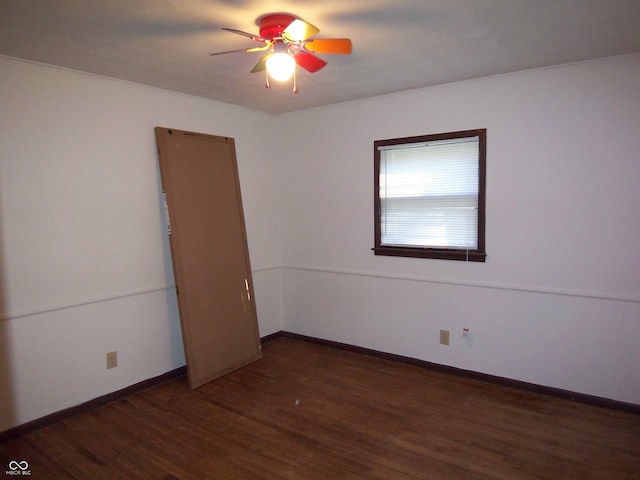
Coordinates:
column 281, row 66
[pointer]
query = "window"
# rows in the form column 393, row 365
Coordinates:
column 430, row 196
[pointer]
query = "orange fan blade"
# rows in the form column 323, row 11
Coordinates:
column 309, row 62
column 329, row 45
column 299, row 30
column 261, row 65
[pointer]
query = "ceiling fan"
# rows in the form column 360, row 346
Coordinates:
column 288, row 42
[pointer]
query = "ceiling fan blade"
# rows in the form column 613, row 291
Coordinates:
column 259, row 49
column 328, row 45
column 261, row 66
column 257, row 38
column 254, row 49
column 299, row 30
column 309, row 62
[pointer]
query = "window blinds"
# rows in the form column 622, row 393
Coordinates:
column 429, row 194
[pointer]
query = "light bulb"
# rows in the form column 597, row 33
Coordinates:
column 281, row 66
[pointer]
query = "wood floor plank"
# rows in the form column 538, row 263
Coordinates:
column 307, row 411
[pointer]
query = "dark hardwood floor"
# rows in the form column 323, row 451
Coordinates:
column 307, row 411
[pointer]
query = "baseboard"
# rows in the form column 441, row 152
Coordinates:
column 495, row 380
column 273, row 336
column 90, row 405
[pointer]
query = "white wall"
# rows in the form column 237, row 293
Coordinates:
column 84, row 259
column 557, row 302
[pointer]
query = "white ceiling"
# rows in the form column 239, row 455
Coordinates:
column 398, row 45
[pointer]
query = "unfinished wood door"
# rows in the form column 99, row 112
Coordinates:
column 209, row 253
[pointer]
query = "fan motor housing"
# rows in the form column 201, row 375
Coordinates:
column 272, row 26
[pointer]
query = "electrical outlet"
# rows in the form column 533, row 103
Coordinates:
column 444, row 337
column 112, row 359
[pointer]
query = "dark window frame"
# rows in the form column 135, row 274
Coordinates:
column 477, row 255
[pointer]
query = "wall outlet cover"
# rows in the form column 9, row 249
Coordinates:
column 112, row 359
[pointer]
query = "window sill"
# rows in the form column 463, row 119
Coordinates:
column 437, row 253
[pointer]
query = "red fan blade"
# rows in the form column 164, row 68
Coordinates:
column 261, row 65
column 309, row 62
column 299, row 30
column 257, row 38
column 329, row 45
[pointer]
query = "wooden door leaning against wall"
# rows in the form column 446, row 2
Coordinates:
column 209, row 253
